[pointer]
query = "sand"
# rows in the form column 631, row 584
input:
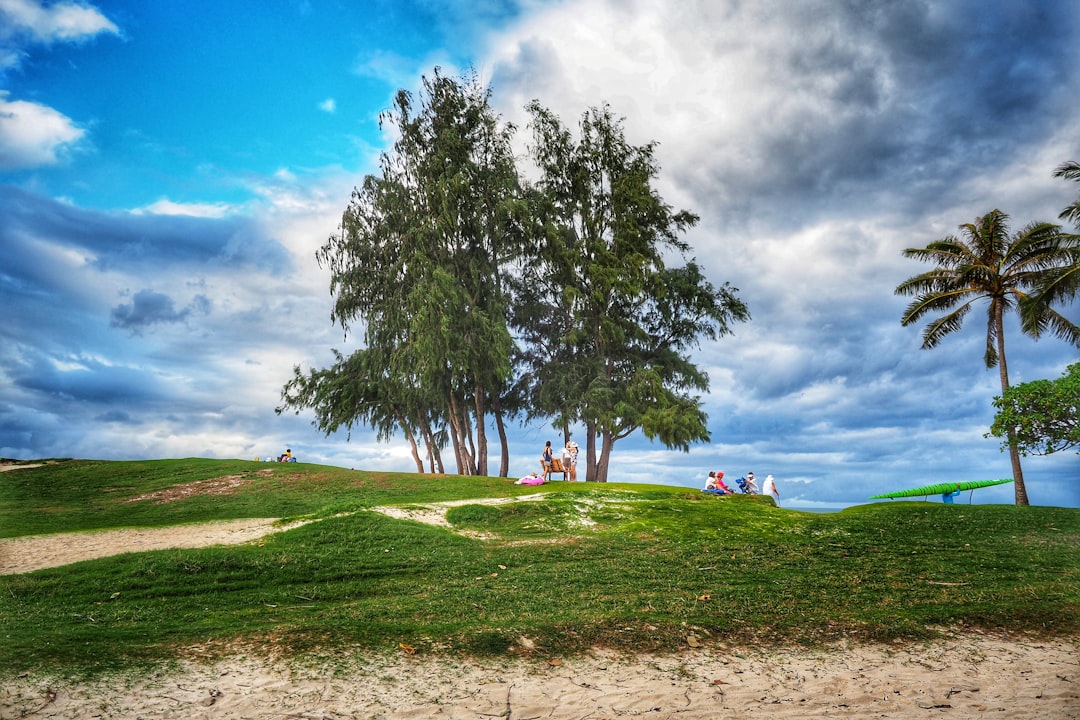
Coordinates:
column 965, row 674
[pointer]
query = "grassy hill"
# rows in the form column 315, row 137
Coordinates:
column 634, row 567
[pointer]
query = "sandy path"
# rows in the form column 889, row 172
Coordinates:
column 34, row 552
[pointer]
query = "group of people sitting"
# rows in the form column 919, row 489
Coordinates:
column 715, row 484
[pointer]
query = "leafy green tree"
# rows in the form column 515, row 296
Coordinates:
column 986, row 263
column 1043, row 415
column 418, row 263
column 360, row 390
column 606, row 323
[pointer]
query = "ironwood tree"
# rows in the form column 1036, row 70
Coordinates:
column 606, row 315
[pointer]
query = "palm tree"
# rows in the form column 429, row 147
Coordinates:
column 986, row 263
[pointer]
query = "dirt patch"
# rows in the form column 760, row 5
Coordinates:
column 6, row 465
column 215, row 486
column 435, row 513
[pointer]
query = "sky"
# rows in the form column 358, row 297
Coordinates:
column 168, row 170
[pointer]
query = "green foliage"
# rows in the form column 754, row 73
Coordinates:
column 606, row 322
column 418, row 262
column 632, row 567
column 1043, row 415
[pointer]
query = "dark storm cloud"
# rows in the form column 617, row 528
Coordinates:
column 905, row 96
column 136, row 242
column 150, row 308
column 85, row 381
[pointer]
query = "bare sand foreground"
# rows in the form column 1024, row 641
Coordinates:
column 968, row 676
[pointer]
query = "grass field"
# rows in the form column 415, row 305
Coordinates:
column 634, row 567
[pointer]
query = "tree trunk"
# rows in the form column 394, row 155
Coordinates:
column 434, row 455
column 457, row 438
column 481, row 432
column 1003, row 372
column 504, row 451
column 412, row 443
column 602, row 464
column 590, row 452
column 467, row 443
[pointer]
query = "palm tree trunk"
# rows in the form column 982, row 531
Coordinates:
column 1003, row 372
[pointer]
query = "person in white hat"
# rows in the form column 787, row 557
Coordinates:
column 570, row 453
column 769, row 488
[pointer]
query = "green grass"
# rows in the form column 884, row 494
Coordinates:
column 633, row 567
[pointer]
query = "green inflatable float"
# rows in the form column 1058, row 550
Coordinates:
column 947, row 490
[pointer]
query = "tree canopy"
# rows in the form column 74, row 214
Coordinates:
column 609, row 321
column 1042, row 415
column 418, row 261
column 482, row 297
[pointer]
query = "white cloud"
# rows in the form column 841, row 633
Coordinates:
column 58, row 21
column 165, row 206
column 328, row 105
column 394, row 69
column 32, row 135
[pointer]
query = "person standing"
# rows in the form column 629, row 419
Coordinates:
column 570, row 454
column 545, row 459
column 769, row 488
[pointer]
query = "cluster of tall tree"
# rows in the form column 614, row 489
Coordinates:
column 1031, row 272
column 483, row 297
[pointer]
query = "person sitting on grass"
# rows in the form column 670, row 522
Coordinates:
column 715, row 484
column 531, row 479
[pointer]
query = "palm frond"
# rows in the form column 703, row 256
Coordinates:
column 932, row 281
column 947, row 252
column 933, row 301
column 943, row 326
column 1070, row 171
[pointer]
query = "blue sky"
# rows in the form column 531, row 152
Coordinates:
column 167, row 171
